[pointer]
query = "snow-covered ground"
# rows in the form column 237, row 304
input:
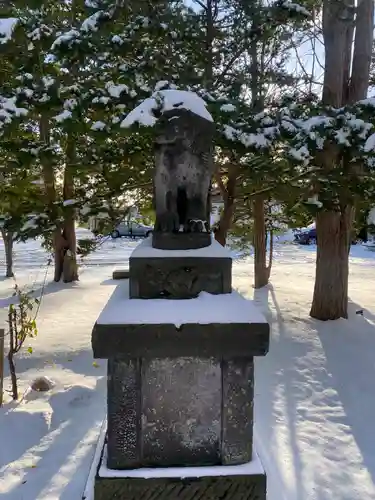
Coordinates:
column 315, row 396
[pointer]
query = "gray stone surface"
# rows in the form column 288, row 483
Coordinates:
column 251, row 487
column 181, row 412
column 225, row 340
column 237, row 416
column 179, row 277
column 181, row 240
column 183, row 170
column 124, row 415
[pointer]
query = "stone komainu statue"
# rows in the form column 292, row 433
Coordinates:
column 183, row 172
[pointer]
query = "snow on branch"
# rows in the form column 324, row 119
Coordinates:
column 165, row 100
column 66, row 38
column 295, row 7
column 257, row 140
column 9, row 110
column 300, row 132
column 91, row 23
column 370, row 144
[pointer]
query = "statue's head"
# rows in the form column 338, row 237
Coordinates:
column 184, row 128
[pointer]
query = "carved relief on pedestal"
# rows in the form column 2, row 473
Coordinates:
column 183, row 282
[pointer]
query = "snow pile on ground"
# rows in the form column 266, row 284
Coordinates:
column 314, row 403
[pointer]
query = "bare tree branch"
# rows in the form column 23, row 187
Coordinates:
column 201, row 4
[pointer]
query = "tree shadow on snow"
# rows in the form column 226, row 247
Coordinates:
column 351, row 366
column 48, row 289
column 283, row 376
column 78, row 361
column 12, row 426
column 66, row 447
column 301, row 390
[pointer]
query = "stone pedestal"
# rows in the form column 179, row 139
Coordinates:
column 179, row 412
column 246, row 487
column 179, row 274
column 242, row 482
column 180, row 374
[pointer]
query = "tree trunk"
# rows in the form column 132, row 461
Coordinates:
column 225, row 222
column 210, row 35
column 13, row 375
column 59, row 249
column 270, row 261
column 330, row 299
column 261, row 270
column 337, row 26
column 51, row 198
column 228, row 193
column 69, row 265
column 8, row 246
column 362, row 53
column 12, row 367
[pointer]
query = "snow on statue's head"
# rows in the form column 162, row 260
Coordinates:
column 183, row 172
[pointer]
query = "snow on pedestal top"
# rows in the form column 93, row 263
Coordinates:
column 204, row 310
column 146, row 250
column 166, row 100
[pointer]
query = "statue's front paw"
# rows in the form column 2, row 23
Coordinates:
column 195, row 226
column 167, row 223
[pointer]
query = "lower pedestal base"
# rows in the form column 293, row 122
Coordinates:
column 207, row 488
column 233, row 482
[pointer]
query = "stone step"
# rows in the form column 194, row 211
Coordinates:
column 121, row 274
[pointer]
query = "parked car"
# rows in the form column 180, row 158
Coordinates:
column 132, row 229
column 307, row 236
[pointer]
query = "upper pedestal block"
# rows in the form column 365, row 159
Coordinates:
column 179, row 274
column 224, row 326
